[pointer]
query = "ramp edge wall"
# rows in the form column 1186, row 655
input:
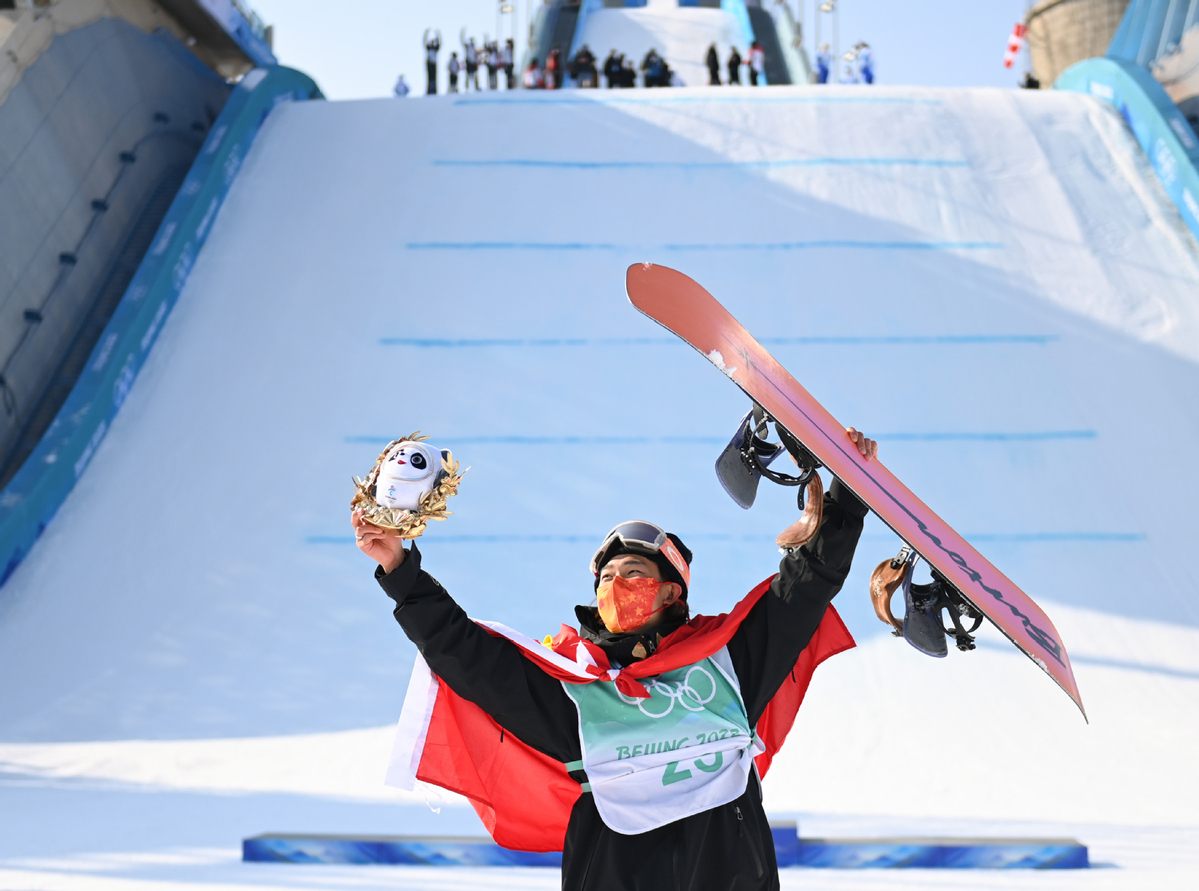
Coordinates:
column 33, row 496
column 1160, row 128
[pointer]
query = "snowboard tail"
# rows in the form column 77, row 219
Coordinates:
column 964, row 580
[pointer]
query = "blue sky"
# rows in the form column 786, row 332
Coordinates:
column 356, row 49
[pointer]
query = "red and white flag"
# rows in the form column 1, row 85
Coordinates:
column 1014, row 43
column 525, row 798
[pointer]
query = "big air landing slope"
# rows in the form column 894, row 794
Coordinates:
column 990, row 282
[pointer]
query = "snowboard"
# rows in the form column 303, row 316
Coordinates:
column 684, row 308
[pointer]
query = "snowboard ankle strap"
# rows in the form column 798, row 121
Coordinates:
column 757, row 452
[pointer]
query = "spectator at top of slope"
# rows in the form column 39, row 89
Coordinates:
column 432, row 47
column 470, row 55
column 824, row 64
column 554, row 71
column 713, row 62
column 533, row 79
column 756, row 64
column 453, row 66
column 492, row 58
column 507, row 60
column 612, row 66
column 865, row 62
column 654, row 70
column 401, row 89
column 628, row 74
column 734, row 67
column 582, row 68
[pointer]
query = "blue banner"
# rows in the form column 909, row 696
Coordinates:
column 1160, row 128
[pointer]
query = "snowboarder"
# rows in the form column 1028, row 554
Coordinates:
column 470, row 55
column 824, row 64
column 432, row 48
column 453, row 67
column 734, row 67
column 508, row 61
column 401, row 88
column 648, row 815
column 713, row 62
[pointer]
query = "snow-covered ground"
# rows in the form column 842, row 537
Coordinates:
column 990, row 281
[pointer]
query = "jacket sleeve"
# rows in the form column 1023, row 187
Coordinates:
column 489, row 671
column 769, row 641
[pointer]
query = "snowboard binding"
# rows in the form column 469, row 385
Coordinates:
column 747, row 458
column 923, row 626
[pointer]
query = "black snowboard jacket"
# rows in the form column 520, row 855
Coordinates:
column 727, row 847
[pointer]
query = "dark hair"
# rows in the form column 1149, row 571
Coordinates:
column 678, row 611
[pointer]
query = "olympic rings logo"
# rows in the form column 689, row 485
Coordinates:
column 683, row 693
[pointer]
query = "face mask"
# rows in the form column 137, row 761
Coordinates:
column 625, row 604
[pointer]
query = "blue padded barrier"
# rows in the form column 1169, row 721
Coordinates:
column 1160, row 128
column 36, row 491
column 942, row 853
column 790, row 849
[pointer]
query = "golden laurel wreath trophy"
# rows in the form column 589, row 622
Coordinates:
column 408, row 486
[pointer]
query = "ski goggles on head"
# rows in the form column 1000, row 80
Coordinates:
column 640, row 537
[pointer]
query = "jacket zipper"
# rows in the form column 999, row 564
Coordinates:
column 753, row 849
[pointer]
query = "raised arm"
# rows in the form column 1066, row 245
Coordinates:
column 488, row 671
column 781, row 624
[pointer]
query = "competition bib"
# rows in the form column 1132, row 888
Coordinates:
column 686, row 749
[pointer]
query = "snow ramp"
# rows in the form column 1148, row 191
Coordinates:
column 990, row 282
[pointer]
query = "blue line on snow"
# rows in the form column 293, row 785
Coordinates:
column 1029, row 436
column 532, row 342
column 963, row 436
column 765, row 341
column 668, row 100
column 1018, row 537
column 706, row 165
column 561, row 440
column 746, row 246
column 1096, row 537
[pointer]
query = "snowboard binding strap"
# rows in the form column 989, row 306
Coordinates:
column 923, row 626
column 748, row 456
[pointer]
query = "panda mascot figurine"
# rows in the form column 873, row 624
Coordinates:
column 408, row 486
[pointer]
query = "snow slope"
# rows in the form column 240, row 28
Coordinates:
column 989, row 281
